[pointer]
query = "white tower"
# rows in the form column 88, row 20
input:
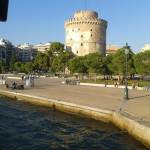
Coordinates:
column 85, row 33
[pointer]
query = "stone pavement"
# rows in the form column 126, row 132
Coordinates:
column 137, row 107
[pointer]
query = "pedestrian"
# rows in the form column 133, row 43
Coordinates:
column 115, row 84
column 105, row 83
column 137, row 85
column 133, row 85
column 14, row 85
column 22, row 77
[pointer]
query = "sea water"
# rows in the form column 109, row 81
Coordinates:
column 27, row 127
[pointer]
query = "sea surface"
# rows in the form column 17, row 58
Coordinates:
column 27, row 127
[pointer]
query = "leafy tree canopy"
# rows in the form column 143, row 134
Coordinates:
column 60, row 62
column 142, row 63
column 19, row 67
column 28, row 67
column 2, row 66
column 41, row 62
column 118, row 63
column 55, row 48
column 95, row 63
column 77, row 65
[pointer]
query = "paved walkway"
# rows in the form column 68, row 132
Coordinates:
column 98, row 97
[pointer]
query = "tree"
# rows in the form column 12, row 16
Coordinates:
column 28, row 67
column 118, row 64
column 108, row 61
column 95, row 63
column 19, row 67
column 77, row 65
column 2, row 66
column 13, row 60
column 60, row 62
column 55, row 49
column 142, row 63
column 41, row 62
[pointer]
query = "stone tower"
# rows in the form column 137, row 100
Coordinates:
column 85, row 33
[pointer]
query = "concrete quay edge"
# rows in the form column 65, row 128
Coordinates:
column 135, row 129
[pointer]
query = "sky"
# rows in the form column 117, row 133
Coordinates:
column 41, row 21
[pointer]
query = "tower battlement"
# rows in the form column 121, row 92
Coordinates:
column 88, row 21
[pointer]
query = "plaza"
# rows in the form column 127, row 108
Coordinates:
column 137, row 107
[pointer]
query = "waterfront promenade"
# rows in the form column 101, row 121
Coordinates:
column 137, row 107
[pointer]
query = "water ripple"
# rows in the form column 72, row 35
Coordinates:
column 27, row 127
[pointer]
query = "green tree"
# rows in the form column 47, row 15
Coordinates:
column 95, row 63
column 28, row 67
column 60, row 62
column 142, row 63
column 108, row 61
column 77, row 65
column 13, row 60
column 55, row 49
column 2, row 66
column 19, row 67
column 118, row 64
column 41, row 62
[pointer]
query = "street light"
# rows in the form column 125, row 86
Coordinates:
column 126, row 96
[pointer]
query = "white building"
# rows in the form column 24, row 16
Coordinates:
column 42, row 47
column 145, row 48
column 112, row 49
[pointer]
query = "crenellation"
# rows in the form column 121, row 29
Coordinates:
column 67, row 23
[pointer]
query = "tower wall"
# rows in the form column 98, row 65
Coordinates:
column 85, row 33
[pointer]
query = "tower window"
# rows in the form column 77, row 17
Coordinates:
column 91, row 30
column 81, row 36
column 91, row 35
column 81, row 44
column 77, row 52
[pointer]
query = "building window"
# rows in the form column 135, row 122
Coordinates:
column 91, row 30
column 91, row 35
column 79, row 29
column 72, row 30
column 77, row 52
column 81, row 36
column 81, row 44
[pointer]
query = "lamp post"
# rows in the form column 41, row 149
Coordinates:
column 126, row 96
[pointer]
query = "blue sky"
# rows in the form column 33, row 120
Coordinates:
column 41, row 21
